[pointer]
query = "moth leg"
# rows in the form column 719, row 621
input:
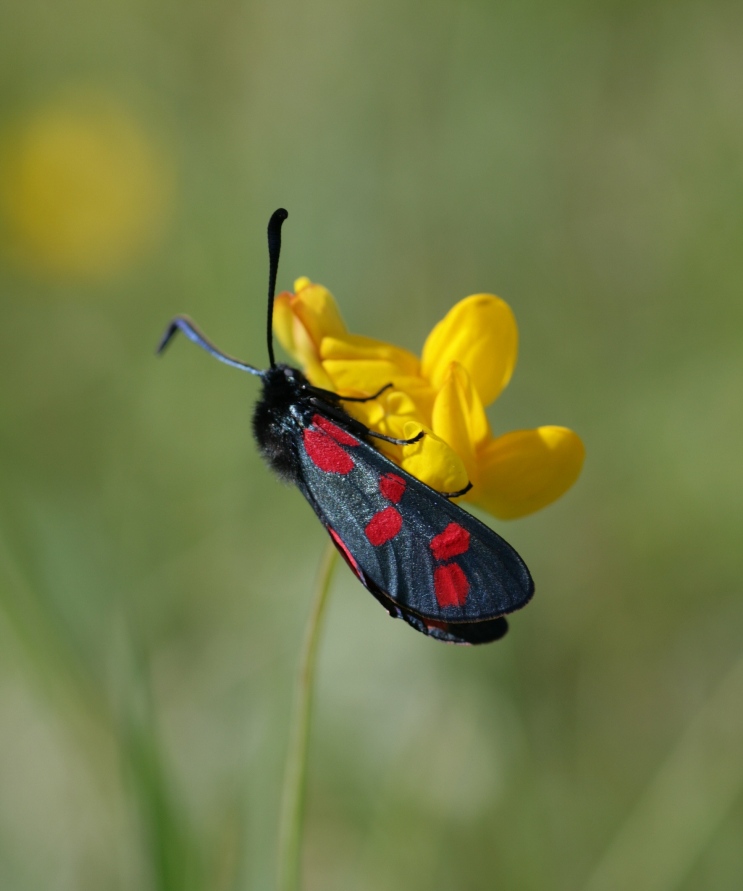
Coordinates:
column 335, row 397
column 364, row 398
column 457, row 494
column 336, row 413
column 376, row 435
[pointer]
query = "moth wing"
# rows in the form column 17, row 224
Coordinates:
column 423, row 557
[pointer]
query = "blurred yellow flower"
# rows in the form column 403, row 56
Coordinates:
column 84, row 191
column 466, row 362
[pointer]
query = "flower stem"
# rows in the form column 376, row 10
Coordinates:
column 295, row 771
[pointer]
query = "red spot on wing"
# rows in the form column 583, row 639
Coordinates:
column 454, row 540
column 336, row 432
column 451, row 585
column 384, row 526
column 345, row 553
column 392, row 487
column 325, row 453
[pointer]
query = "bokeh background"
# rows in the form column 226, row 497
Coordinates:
column 582, row 160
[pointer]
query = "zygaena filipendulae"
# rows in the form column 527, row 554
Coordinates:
column 423, row 557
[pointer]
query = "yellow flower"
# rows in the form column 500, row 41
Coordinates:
column 83, row 189
column 466, row 362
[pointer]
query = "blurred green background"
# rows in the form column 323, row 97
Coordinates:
column 583, row 161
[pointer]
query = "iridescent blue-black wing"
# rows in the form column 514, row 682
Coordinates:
column 423, row 557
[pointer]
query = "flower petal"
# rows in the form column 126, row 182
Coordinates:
column 296, row 340
column 302, row 320
column 390, row 407
column 354, row 347
column 481, row 333
column 366, row 377
column 526, row 470
column 458, row 402
column 459, row 418
column 432, row 461
column 316, row 308
column 366, row 365
column 387, row 414
column 284, row 326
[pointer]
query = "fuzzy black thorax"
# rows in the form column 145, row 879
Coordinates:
column 286, row 406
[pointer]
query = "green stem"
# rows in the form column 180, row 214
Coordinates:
column 295, row 773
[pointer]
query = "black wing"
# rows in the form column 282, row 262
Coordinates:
column 423, row 557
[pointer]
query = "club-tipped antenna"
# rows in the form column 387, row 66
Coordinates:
column 274, row 249
column 184, row 324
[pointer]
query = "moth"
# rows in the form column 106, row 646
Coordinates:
column 423, row 557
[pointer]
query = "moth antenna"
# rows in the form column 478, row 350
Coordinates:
column 274, row 249
column 184, row 324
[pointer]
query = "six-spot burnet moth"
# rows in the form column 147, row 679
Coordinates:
column 424, row 558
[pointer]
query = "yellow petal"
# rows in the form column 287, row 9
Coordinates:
column 316, row 309
column 301, row 321
column 432, row 461
column 296, row 340
column 373, row 414
column 391, row 407
column 459, row 418
column 480, row 332
column 283, row 323
column 397, row 402
column 458, row 415
column 388, row 414
column 360, row 363
column 526, row 470
column 354, row 347
column 364, row 376
column 317, row 375
column 389, row 425
column 85, row 190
